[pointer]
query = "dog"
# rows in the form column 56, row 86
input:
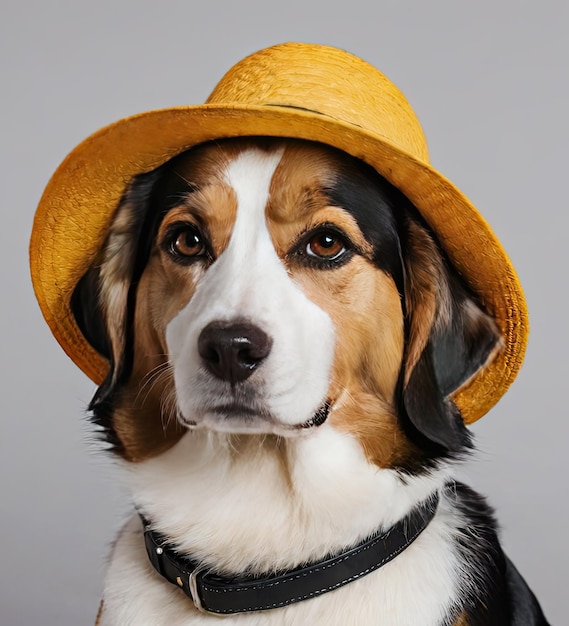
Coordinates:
column 285, row 334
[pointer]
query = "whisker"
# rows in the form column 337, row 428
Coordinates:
column 152, row 378
column 168, row 408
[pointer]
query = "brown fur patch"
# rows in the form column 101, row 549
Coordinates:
column 100, row 613
column 145, row 416
column 362, row 301
column 423, row 291
column 145, row 413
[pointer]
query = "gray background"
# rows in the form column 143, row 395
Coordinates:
column 489, row 83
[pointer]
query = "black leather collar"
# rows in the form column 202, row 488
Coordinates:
column 241, row 594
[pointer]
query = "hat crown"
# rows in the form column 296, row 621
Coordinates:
column 328, row 81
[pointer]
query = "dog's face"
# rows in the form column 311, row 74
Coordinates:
column 266, row 286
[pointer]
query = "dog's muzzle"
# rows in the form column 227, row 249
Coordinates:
column 230, row 397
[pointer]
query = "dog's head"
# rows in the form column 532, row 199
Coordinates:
column 266, row 286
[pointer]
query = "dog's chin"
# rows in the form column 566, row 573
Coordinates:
column 240, row 420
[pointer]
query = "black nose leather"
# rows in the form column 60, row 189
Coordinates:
column 232, row 351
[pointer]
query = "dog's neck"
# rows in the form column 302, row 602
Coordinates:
column 212, row 593
column 258, row 504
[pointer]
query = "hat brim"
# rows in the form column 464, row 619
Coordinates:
column 77, row 206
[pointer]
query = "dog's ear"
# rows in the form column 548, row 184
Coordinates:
column 449, row 339
column 103, row 301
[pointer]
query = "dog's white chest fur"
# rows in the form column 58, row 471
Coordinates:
column 299, row 502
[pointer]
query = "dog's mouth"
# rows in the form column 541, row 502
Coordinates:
column 318, row 418
column 242, row 418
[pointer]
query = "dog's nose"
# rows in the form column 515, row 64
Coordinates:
column 232, row 351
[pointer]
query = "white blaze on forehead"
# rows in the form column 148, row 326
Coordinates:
column 249, row 281
column 250, row 246
column 250, row 176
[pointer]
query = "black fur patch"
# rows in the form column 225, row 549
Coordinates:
column 86, row 308
column 498, row 595
column 435, row 421
column 374, row 203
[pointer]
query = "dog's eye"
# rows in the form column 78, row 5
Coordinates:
column 326, row 245
column 188, row 243
column 185, row 241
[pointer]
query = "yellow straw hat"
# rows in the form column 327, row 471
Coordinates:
column 304, row 91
